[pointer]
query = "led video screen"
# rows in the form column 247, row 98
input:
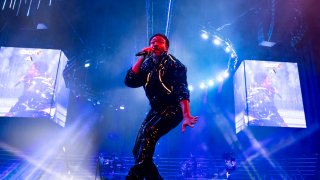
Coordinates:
column 31, row 84
column 268, row 93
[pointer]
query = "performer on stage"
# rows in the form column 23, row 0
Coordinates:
column 164, row 80
column 36, row 99
column 261, row 100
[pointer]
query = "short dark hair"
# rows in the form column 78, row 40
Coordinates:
column 161, row 35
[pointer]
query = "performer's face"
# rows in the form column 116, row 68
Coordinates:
column 158, row 45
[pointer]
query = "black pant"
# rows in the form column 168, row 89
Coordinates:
column 156, row 124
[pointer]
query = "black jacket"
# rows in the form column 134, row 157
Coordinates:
column 164, row 80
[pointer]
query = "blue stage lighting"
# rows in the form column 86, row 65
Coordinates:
column 216, row 41
column 204, row 35
column 202, row 85
column 190, row 87
column 210, row 83
column 227, row 49
column 226, row 74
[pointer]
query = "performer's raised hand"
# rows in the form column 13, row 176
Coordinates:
column 189, row 121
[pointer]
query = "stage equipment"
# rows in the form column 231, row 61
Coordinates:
column 217, row 41
column 31, row 84
column 268, row 93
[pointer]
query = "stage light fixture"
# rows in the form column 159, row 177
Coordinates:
column 210, row 83
column 86, row 65
column 41, row 26
column 226, row 74
column 202, row 85
column 216, row 41
column 204, row 35
column 267, row 43
column 227, row 47
column 190, row 87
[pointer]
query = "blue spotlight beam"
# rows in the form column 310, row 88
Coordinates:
column 12, row 5
column 169, row 17
column 149, row 12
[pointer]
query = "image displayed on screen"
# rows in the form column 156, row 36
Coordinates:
column 31, row 84
column 274, row 94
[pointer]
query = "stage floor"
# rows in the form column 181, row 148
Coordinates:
column 19, row 165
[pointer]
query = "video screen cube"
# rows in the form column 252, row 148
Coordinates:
column 268, row 93
column 31, row 84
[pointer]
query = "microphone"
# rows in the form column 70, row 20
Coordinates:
column 142, row 53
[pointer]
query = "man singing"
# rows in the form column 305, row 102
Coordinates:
column 164, row 80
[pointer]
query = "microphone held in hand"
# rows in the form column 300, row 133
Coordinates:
column 142, row 53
